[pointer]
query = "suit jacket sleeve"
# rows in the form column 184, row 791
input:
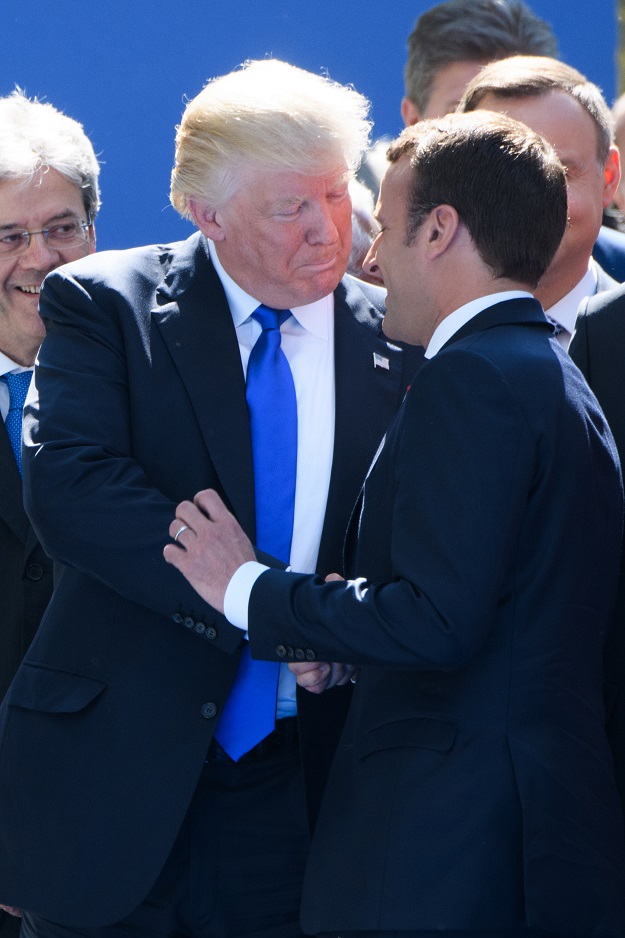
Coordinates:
column 90, row 501
column 441, row 512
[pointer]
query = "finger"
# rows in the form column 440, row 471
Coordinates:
column 181, row 518
column 348, row 671
column 211, row 505
column 301, row 667
column 187, row 516
column 316, row 679
column 332, row 577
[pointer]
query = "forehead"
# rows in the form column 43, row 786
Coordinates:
column 394, row 190
column 262, row 184
column 556, row 116
column 34, row 201
column 449, row 85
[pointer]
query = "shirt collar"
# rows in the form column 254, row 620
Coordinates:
column 314, row 317
column 564, row 312
column 8, row 366
column 452, row 323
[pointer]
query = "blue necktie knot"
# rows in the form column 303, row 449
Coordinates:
column 270, row 318
column 18, row 385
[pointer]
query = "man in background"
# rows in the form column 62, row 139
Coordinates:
column 49, row 199
column 447, row 47
column 451, row 42
column 558, row 102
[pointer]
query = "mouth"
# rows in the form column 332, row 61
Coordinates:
column 320, row 266
column 30, row 289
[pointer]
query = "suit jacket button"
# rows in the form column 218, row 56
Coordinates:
column 289, row 652
column 200, row 628
column 281, row 651
column 210, row 632
column 310, row 655
column 299, row 654
column 209, row 710
column 177, row 618
column 188, row 622
column 34, row 571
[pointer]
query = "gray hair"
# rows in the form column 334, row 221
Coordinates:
column 269, row 114
column 35, row 136
column 470, row 31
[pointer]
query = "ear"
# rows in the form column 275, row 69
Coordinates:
column 409, row 112
column 206, row 218
column 92, row 238
column 439, row 230
column 611, row 176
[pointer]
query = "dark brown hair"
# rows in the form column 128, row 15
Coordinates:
column 506, row 183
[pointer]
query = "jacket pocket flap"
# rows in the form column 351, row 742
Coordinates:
column 37, row 688
column 415, row 733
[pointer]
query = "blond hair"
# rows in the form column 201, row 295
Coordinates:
column 265, row 114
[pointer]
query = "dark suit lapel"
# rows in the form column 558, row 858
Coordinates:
column 368, row 379
column 196, row 325
column 11, row 504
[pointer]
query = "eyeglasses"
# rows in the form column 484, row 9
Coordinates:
column 66, row 234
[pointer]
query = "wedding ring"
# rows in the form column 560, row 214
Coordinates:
column 185, row 527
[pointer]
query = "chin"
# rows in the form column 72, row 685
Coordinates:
column 318, row 287
column 389, row 330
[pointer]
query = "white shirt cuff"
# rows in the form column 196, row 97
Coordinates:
column 238, row 591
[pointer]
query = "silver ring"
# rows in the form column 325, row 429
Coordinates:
column 185, row 527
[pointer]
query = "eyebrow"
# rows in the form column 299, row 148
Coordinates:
column 67, row 213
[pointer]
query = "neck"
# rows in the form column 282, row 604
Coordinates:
column 554, row 285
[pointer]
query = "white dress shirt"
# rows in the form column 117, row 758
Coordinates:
column 564, row 312
column 308, row 344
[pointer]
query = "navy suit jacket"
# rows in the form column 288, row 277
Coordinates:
column 141, row 403
column 25, row 588
column 25, row 571
column 609, row 252
column 598, row 349
column 472, row 789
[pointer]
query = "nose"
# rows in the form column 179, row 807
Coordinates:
column 324, row 228
column 39, row 254
column 370, row 264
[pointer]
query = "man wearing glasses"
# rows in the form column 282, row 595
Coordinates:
column 48, row 199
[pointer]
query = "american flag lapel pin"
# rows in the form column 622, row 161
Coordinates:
column 379, row 361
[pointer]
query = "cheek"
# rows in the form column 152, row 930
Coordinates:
column 585, row 203
column 343, row 223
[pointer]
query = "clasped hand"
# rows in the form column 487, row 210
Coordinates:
column 210, row 546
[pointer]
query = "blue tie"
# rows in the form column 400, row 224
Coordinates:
column 250, row 711
column 18, row 389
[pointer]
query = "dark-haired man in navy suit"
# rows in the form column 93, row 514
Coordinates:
column 159, row 780
column 472, row 792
